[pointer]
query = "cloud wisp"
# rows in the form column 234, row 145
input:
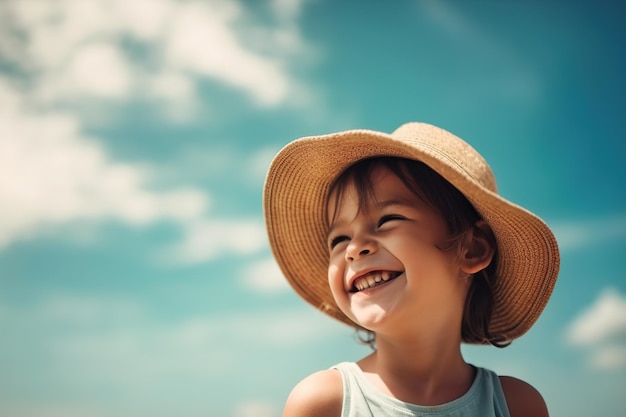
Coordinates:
column 601, row 329
column 575, row 235
column 68, row 56
column 206, row 239
column 70, row 51
column 53, row 174
column 265, row 277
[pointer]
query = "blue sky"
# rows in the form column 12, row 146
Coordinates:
column 135, row 274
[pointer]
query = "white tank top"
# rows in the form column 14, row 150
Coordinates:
column 485, row 398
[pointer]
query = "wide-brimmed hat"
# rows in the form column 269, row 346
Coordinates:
column 295, row 198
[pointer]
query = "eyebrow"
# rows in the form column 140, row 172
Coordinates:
column 393, row 202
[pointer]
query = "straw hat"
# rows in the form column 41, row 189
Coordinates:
column 295, row 213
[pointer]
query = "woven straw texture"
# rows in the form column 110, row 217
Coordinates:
column 295, row 212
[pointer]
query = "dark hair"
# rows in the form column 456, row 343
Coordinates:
column 459, row 215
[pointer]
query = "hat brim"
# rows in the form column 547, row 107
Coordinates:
column 295, row 194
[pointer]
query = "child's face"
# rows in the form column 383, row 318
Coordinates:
column 386, row 270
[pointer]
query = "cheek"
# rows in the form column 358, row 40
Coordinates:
column 335, row 280
column 337, row 288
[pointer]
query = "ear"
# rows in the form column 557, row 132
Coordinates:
column 479, row 246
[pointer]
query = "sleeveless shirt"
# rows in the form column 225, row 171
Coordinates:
column 485, row 398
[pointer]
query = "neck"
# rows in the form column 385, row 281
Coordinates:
column 419, row 371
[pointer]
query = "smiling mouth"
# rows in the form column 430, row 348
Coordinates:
column 373, row 279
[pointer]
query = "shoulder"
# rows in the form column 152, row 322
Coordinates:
column 522, row 398
column 319, row 394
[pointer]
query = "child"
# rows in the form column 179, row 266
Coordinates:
column 403, row 235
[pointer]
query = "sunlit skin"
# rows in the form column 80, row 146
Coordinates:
column 416, row 311
column 399, row 233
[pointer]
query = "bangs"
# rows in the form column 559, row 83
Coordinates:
column 421, row 180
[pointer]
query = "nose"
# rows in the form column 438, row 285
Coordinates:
column 359, row 248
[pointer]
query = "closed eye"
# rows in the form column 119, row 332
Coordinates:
column 337, row 240
column 388, row 218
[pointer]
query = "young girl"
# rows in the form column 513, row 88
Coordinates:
column 404, row 236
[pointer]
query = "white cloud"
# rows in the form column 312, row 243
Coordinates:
column 86, row 73
column 602, row 329
column 72, row 50
column 578, row 234
column 265, row 276
column 171, row 86
column 72, row 57
column 10, row 100
column 54, row 29
column 206, row 239
column 144, row 19
column 203, row 163
column 609, row 358
column 202, row 41
column 177, row 94
column 288, row 10
column 51, row 174
column 604, row 319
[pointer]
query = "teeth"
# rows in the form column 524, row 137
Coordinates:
column 373, row 279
